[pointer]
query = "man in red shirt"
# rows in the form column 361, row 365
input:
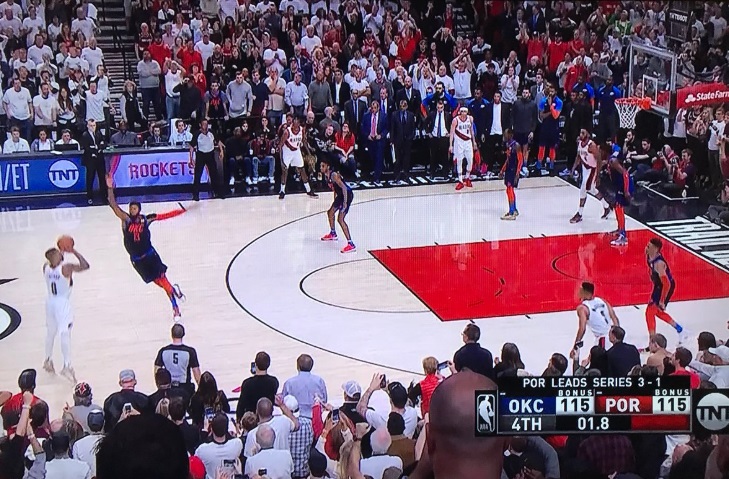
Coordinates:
column 574, row 73
column 159, row 50
column 188, row 56
column 681, row 358
column 555, row 54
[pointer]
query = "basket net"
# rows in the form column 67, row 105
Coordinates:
column 628, row 109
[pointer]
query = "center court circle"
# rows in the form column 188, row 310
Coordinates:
column 317, row 285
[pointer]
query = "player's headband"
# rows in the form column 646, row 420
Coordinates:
column 463, row 109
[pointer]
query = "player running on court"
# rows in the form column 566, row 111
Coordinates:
column 595, row 313
column 622, row 182
column 138, row 243
column 462, row 147
column 59, row 315
column 510, row 172
column 291, row 141
column 663, row 288
column 343, row 197
column 588, row 155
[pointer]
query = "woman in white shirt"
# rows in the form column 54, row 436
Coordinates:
column 66, row 110
column 509, row 85
column 42, row 143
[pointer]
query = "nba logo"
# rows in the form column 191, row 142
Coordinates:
column 485, row 413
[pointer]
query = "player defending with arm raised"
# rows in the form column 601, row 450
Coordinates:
column 343, row 197
column 595, row 313
column 663, row 288
column 510, row 172
column 138, row 243
column 59, row 315
column 588, row 156
column 463, row 146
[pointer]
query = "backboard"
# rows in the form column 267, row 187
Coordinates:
column 652, row 73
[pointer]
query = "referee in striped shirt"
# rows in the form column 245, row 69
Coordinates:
column 202, row 154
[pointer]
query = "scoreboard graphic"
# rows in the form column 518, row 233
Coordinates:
column 594, row 405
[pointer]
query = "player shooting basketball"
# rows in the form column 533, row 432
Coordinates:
column 138, row 243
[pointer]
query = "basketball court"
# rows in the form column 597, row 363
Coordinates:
column 257, row 277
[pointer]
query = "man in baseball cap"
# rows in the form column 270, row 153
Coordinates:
column 718, row 370
column 352, row 393
column 82, row 404
column 11, row 408
column 114, row 404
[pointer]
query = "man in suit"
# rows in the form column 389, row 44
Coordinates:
column 412, row 96
column 354, row 111
column 374, row 130
column 387, row 105
column 341, row 91
column 536, row 21
column 92, row 145
column 437, row 127
column 402, row 134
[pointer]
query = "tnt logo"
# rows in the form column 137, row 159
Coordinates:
column 485, row 413
column 712, row 411
column 63, row 174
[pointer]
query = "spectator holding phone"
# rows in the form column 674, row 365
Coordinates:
column 221, row 450
column 207, row 401
column 260, row 385
column 119, row 402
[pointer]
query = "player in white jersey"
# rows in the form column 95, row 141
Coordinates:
column 588, row 156
column 595, row 313
column 291, row 141
column 463, row 144
column 59, row 315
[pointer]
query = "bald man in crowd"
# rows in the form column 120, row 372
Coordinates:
column 453, row 450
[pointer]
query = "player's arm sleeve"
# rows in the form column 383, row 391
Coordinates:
column 626, row 182
column 164, row 216
column 556, row 109
column 551, row 461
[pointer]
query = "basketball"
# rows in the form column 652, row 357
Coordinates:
column 65, row 243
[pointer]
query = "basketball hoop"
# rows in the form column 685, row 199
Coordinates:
column 628, row 108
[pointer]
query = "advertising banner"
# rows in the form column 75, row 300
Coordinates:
column 152, row 168
column 702, row 94
column 27, row 175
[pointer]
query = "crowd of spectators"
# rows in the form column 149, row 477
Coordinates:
column 304, row 428
column 339, row 64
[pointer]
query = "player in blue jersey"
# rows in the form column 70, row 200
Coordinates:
column 138, row 243
column 343, row 197
column 663, row 287
column 510, row 172
column 550, row 107
column 622, row 183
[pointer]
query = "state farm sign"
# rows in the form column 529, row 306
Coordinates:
column 702, row 94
